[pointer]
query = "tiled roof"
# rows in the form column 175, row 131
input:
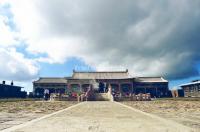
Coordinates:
column 51, row 80
column 150, row 79
column 191, row 83
column 101, row 75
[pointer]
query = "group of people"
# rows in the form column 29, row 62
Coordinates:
column 81, row 97
column 85, row 96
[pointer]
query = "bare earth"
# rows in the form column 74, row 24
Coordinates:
column 183, row 112
column 101, row 117
column 17, row 112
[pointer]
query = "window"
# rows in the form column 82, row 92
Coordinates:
column 186, row 89
column 191, row 89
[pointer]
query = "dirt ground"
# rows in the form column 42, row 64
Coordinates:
column 182, row 111
column 16, row 112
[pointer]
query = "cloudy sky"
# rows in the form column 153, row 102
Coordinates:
column 52, row 37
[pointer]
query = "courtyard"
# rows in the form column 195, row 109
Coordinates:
column 101, row 116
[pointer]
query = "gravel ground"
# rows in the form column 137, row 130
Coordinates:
column 17, row 112
column 184, row 112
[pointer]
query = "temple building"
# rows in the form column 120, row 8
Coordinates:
column 191, row 89
column 122, row 84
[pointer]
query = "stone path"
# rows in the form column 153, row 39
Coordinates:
column 100, row 117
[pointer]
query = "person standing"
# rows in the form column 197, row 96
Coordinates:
column 46, row 94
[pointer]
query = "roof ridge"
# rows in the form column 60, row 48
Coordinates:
column 189, row 83
column 52, row 77
column 100, row 72
column 11, row 85
column 150, row 77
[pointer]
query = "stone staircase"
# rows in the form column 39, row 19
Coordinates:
column 101, row 97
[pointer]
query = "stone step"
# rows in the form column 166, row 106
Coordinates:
column 101, row 97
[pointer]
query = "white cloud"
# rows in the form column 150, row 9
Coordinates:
column 58, row 49
column 14, row 66
column 151, row 38
column 7, row 36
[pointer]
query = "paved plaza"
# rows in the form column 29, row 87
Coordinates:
column 100, row 117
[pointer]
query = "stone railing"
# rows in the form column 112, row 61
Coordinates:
column 109, row 94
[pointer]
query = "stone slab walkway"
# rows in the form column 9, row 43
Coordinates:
column 100, row 117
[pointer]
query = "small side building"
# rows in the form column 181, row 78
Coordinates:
column 156, row 86
column 191, row 89
column 11, row 91
column 53, row 84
